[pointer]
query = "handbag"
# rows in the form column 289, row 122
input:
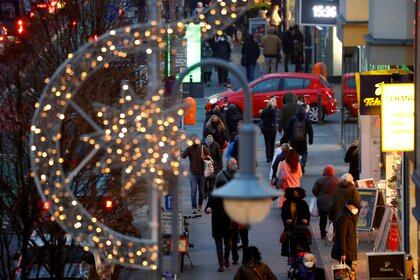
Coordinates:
column 330, row 232
column 208, row 164
column 243, row 61
column 341, row 271
column 285, row 236
column 313, row 207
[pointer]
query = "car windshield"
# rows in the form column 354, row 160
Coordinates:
column 325, row 82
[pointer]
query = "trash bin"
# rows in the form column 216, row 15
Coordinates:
column 190, row 111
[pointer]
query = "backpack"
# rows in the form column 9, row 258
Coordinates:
column 299, row 131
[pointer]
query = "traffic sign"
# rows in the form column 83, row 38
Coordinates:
column 168, row 202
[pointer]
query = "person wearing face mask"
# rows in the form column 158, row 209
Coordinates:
column 220, row 221
column 214, row 111
column 345, row 245
column 254, row 268
column 345, row 192
column 196, row 152
column 216, row 127
column 309, row 270
column 216, row 154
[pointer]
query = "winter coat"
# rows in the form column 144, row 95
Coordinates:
column 209, row 114
column 251, row 51
column 232, row 117
column 216, row 154
column 220, row 221
column 352, row 157
column 300, row 146
column 271, row 45
column 269, row 120
column 302, row 213
column 254, row 271
column 345, row 236
column 287, row 43
column 218, row 132
column 194, row 153
column 222, row 50
column 287, row 111
column 324, row 189
column 345, row 192
column 292, row 179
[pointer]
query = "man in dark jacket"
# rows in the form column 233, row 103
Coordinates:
column 232, row 117
column 216, row 154
column 345, row 244
column 220, row 221
column 346, row 191
column 352, row 157
column 196, row 152
column 324, row 190
column 299, row 130
column 222, row 50
column 286, row 113
column 287, row 47
column 250, row 54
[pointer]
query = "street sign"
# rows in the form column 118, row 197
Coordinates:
column 166, row 221
column 168, row 202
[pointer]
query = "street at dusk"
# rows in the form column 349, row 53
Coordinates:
column 209, row 140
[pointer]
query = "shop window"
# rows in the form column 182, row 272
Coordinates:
column 267, row 86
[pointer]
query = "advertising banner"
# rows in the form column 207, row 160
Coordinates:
column 368, row 201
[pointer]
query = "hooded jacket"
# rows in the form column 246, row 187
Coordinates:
column 287, row 111
column 300, row 146
column 324, row 189
column 345, row 192
column 232, row 117
column 345, row 243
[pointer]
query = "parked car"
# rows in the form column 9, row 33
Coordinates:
column 276, row 85
column 349, row 97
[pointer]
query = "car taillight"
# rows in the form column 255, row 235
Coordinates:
column 45, row 205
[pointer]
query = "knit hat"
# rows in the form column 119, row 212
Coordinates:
column 347, row 177
column 328, row 170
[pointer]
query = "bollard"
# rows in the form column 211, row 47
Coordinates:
column 319, row 108
column 190, row 111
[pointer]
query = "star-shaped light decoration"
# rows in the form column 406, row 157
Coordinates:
column 136, row 138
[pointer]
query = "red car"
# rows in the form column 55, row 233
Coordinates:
column 349, row 96
column 278, row 84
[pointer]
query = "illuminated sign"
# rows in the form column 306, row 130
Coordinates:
column 397, row 117
column 318, row 12
column 193, row 37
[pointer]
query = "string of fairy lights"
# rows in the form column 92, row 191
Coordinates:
column 136, row 135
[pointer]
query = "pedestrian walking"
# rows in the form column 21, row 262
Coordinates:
column 271, row 45
column 214, row 111
column 239, row 232
column 232, row 117
column 309, row 270
column 216, row 154
column 254, row 268
column 297, row 39
column 286, row 113
column 223, row 51
column 300, row 132
column 279, row 155
column 196, row 153
column 288, row 174
column 220, row 221
column 352, row 158
column 345, row 243
column 216, row 127
column 233, row 147
column 250, row 53
column 295, row 212
column 268, row 125
column 207, row 52
column 288, row 47
column 345, row 192
column 324, row 189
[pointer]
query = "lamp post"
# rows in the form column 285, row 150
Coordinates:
column 245, row 198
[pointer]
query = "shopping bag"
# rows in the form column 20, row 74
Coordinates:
column 341, row 271
column 313, row 207
column 330, row 232
column 208, row 167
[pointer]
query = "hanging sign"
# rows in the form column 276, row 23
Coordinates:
column 397, row 115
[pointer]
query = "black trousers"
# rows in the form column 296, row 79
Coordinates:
column 223, row 239
column 270, row 142
column 222, row 74
column 243, row 234
column 286, row 62
column 323, row 219
column 208, row 186
column 207, row 76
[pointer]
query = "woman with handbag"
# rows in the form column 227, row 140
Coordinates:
column 324, row 189
column 253, row 268
column 216, row 155
column 288, row 174
column 250, row 55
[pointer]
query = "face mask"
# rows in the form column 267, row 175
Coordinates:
column 355, row 211
column 309, row 264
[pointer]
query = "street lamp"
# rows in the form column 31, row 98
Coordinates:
column 245, row 198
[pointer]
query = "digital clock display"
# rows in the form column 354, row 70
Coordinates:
column 318, row 12
column 324, row 11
